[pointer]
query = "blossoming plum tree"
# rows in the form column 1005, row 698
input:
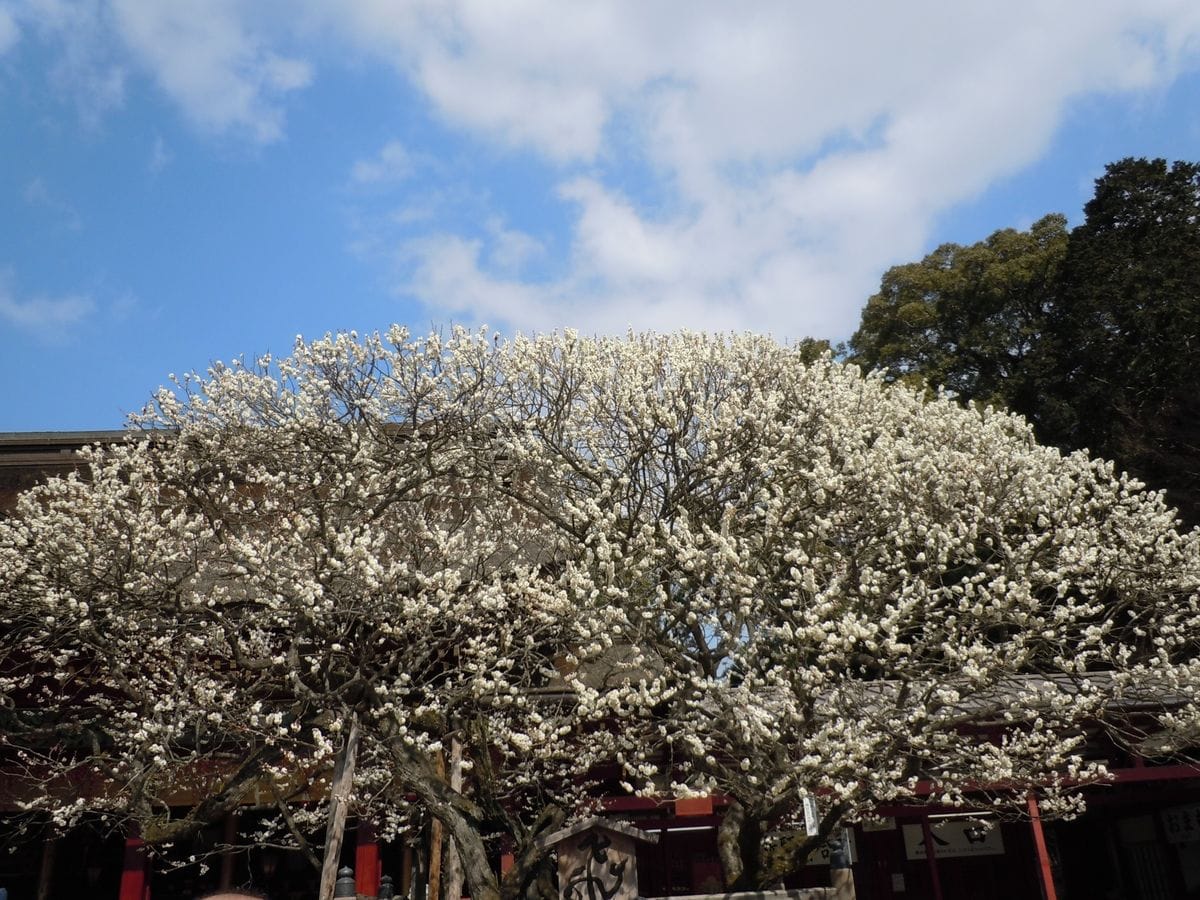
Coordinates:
column 851, row 592
column 707, row 564
column 285, row 563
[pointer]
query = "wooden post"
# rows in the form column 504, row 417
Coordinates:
column 134, row 884
column 1045, row 872
column 454, row 868
column 366, row 861
column 931, row 858
column 406, row 870
column 225, row 882
column 435, row 861
column 435, row 842
column 339, row 794
column 419, row 889
column 46, row 874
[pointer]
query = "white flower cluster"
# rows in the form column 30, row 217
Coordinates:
column 682, row 563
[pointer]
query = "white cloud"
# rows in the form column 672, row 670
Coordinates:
column 204, row 54
column 449, row 274
column 209, row 62
column 49, row 318
column 618, row 244
column 795, row 150
column 9, row 32
column 123, row 306
column 87, row 68
column 511, row 249
column 36, row 194
column 391, row 164
column 803, row 148
column 160, row 156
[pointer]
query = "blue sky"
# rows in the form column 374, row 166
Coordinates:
column 183, row 181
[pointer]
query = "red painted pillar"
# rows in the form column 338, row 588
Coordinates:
column 1045, row 873
column 134, row 883
column 366, row 861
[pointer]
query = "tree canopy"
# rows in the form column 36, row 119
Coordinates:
column 1091, row 334
column 968, row 318
column 1125, row 332
column 657, row 564
column 845, row 583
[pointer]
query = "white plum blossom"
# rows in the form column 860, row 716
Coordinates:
column 678, row 563
column 849, row 590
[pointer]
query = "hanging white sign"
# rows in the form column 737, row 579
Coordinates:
column 812, row 822
column 954, row 838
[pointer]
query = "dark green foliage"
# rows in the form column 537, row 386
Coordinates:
column 966, row 318
column 1093, row 335
column 1124, row 337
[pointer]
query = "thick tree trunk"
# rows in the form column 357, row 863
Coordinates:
column 546, row 883
column 729, row 849
column 339, row 795
column 528, row 875
column 459, row 816
column 747, row 865
column 788, row 855
column 739, row 847
column 463, row 819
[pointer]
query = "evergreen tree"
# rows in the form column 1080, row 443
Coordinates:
column 1093, row 335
